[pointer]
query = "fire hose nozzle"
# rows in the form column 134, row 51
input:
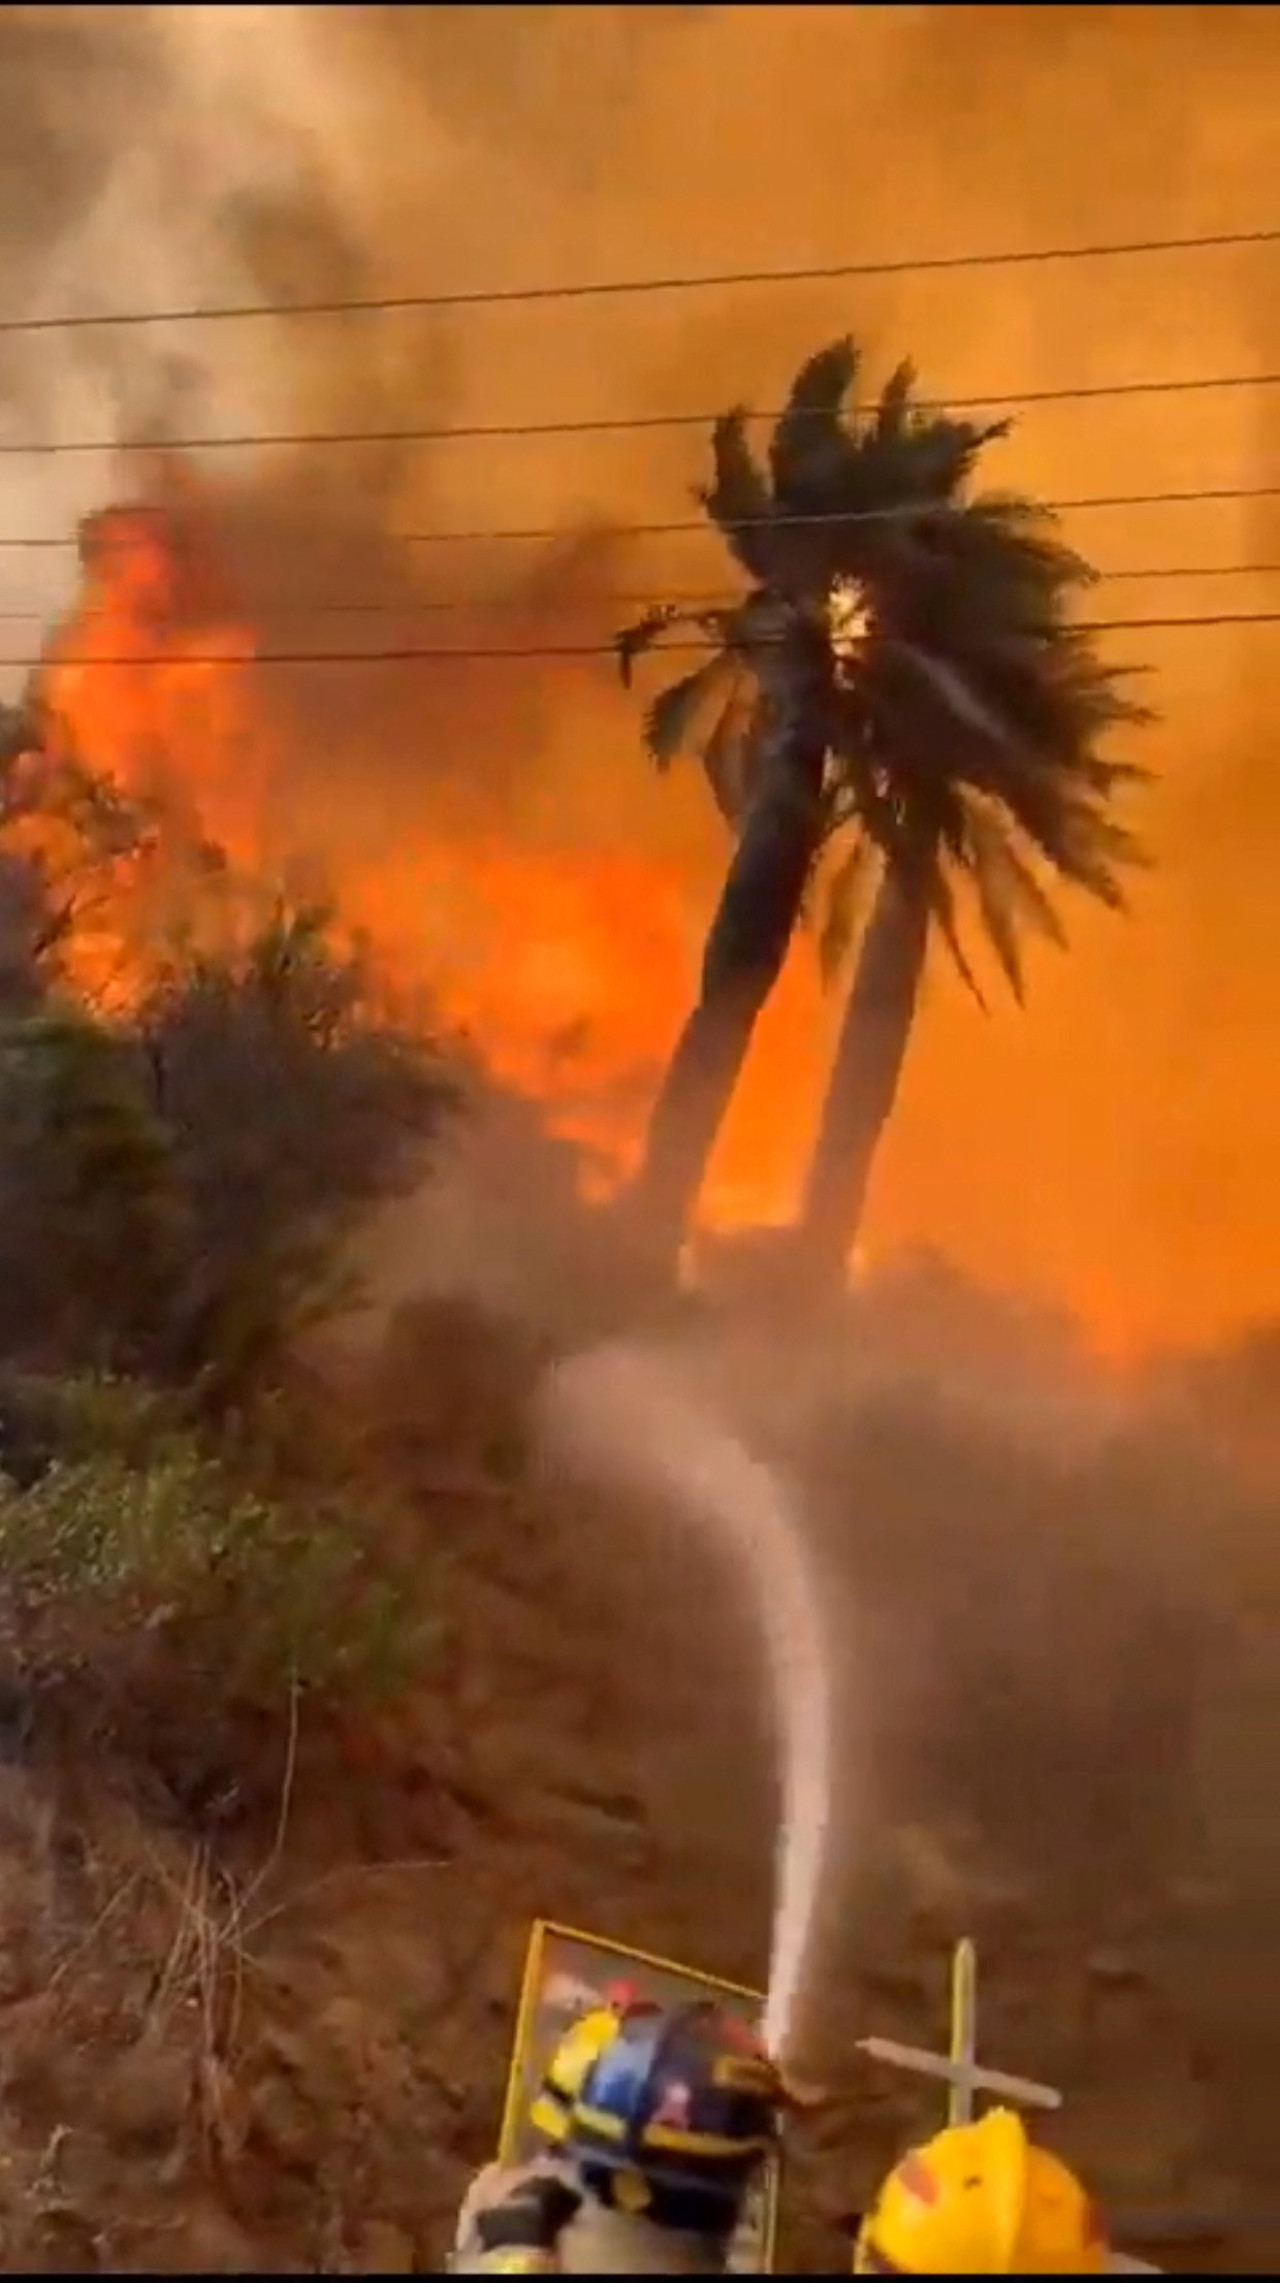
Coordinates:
column 800, row 2095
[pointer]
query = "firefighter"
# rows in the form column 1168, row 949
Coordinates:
column 980, row 2199
column 656, row 2125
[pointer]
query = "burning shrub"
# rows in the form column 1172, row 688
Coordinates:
column 179, row 1183
column 191, row 1127
column 293, row 1104
column 67, row 840
column 177, row 1195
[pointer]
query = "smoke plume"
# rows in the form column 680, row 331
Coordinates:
column 1116, row 1147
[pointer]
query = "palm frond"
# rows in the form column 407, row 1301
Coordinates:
column 942, row 905
column 995, row 859
column 670, row 721
column 738, row 499
column 965, row 734
column 1021, row 530
column 721, row 626
column 1000, row 926
column 1091, row 850
column 634, row 640
column 1046, row 793
column 944, row 453
column 756, row 625
column 953, row 693
column 894, row 404
column 844, row 905
column 810, row 437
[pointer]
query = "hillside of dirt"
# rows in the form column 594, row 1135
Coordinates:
column 257, row 1977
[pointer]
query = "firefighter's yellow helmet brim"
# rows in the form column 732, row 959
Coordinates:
column 981, row 2200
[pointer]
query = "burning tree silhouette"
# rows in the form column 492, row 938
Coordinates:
column 901, row 688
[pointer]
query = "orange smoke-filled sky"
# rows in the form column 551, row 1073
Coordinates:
column 1116, row 1146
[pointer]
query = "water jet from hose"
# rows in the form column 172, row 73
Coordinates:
column 621, row 1418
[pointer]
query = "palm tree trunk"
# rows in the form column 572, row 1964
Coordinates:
column 759, row 908
column 863, row 1085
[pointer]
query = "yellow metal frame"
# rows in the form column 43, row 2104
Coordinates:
column 965, row 2077
column 961, row 2041
column 530, row 1982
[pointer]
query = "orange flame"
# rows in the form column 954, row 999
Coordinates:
column 570, row 969
column 146, row 680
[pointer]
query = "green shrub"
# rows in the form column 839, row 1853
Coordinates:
column 44, row 1419
column 101, row 1549
column 93, row 1226
column 180, row 1194
column 294, row 1102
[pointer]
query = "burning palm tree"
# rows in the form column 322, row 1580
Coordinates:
column 901, row 692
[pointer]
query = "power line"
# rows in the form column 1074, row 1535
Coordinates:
column 484, row 654
column 514, row 431
column 1195, row 571
column 597, row 289
column 701, row 525
column 547, row 535
column 691, row 598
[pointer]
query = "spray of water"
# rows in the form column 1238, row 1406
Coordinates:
column 620, row 1416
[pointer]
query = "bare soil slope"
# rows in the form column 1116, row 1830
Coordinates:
column 256, row 1983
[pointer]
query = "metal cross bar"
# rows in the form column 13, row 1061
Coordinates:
column 964, row 2032
column 959, row 2069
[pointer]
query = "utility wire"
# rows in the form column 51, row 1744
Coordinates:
column 598, row 289
column 549, row 535
column 484, row 654
column 691, row 598
column 907, row 513
column 513, row 431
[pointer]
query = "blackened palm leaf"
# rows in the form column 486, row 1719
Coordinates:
column 1091, row 849
column 844, row 906
column 952, row 692
column 635, row 640
column 999, row 923
column 1013, row 528
column 999, row 867
column 894, row 405
column 755, row 628
column 1056, row 812
column 943, row 907
column 945, row 453
column 810, row 441
column 670, row 724
column 1107, row 777
column 738, row 500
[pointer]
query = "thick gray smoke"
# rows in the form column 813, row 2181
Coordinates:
column 159, row 157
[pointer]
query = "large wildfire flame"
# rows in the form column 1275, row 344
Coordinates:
column 1115, row 1150
column 146, row 685
column 569, row 970
column 146, row 679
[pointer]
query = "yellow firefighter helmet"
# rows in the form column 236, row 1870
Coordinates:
column 981, row 2200
column 552, row 2108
